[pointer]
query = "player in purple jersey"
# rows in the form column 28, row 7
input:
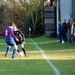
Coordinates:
column 9, row 39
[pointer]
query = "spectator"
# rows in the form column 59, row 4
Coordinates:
column 68, row 31
column 74, row 34
column 64, row 28
column 60, row 32
column 72, row 31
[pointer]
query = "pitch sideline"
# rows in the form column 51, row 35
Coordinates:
column 49, row 62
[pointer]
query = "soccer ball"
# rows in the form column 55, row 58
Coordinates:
column 20, row 54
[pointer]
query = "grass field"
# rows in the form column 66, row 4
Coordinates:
column 61, row 55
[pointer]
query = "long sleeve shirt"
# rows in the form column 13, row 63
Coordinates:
column 18, row 33
column 59, row 28
column 8, row 34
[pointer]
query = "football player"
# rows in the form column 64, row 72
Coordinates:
column 18, row 33
column 9, row 39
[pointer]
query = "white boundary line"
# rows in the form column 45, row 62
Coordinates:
column 49, row 62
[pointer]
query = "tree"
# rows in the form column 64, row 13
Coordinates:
column 35, row 6
column 5, row 15
column 23, row 13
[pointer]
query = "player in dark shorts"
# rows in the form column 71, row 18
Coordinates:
column 18, row 33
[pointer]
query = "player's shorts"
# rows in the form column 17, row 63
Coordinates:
column 18, row 42
column 10, row 42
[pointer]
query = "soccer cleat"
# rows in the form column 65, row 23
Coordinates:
column 13, row 57
column 26, row 55
column 5, row 55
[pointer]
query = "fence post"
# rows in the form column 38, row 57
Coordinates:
column 29, row 31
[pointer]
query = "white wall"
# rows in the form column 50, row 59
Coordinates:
column 66, row 9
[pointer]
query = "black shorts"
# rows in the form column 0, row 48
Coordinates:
column 18, row 42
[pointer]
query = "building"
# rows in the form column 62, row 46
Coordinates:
column 64, row 10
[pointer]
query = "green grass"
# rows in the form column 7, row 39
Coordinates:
column 61, row 55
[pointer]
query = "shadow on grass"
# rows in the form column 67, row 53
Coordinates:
column 54, row 45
